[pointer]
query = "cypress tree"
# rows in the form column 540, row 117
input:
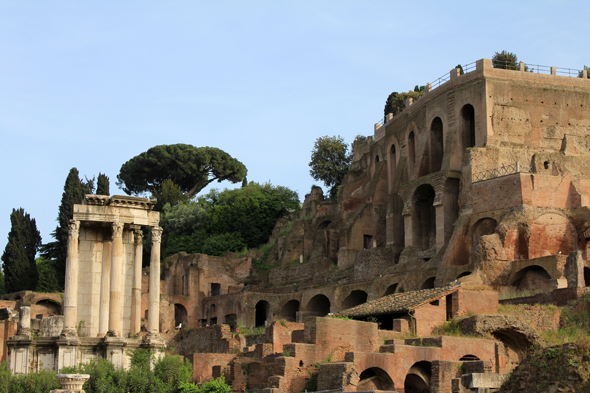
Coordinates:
column 102, row 184
column 20, row 269
column 74, row 191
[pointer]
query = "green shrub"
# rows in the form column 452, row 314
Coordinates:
column 216, row 385
column 41, row 382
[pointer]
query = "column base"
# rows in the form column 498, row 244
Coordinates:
column 69, row 333
column 113, row 333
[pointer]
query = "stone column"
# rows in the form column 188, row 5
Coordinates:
column 24, row 321
column 136, row 289
column 116, row 281
column 71, row 282
column 154, row 296
column 105, row 288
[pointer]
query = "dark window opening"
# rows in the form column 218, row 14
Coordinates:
column 215, row 289
column 367, row 242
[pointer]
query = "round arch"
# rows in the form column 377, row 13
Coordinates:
column 263, row 314
column 424, row 217
column 532, row 277
column 51, row 306
column 390, row 289
column 319, row 305
column 418, row 378
column 180, row 315
column 374, row 378
column 289, row 310
column 354, row 299
column 428, row 284
column 467, row 126
column 436, row 144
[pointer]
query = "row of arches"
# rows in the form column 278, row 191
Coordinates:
column 434, row 150
column 417, row 379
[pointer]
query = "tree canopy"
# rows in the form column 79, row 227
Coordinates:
column 74, row 191
column 20, row 270
column 102, row 184
column 396, row 102
column 190, row 168
column 505, row 60
column 228, row 220
column 330, row 161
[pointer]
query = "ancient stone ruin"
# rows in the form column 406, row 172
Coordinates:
column 481, row 186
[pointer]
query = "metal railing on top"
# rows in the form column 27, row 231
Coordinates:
column 504, row 170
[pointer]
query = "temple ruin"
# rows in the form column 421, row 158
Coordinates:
column 478, row 187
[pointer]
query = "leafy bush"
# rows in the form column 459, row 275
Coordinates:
column 216, row 385
column 169, row 374
column 41, row 382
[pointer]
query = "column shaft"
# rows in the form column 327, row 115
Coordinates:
column 71, row 282
column 116, row 281
column 136, row 290
column 154, row 296
column 105, row 288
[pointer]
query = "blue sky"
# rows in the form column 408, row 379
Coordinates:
column 92, row 84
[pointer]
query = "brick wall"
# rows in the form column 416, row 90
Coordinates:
column 203, row 364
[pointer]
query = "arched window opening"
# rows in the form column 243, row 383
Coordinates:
column 418, row 378
column 424, row 218
column 428, row 284
column 376, row 159
column 51, row 307
column 412, row 148
column 451, row 207
column 319, row 305
column 390, row 289
column 180, row 316
column 392, row 161
column 289, row 311
column 483, row 227
column 468, row 126
column 469, row 358
column 587, row 277
column 534, row 278
column 463, row 274
column 436, row 145
column 373, row 379
column 354, row 299
column 262, row 313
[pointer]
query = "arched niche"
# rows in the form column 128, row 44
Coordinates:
column 418, row 378
column 390, row 289
column 428, row 284
column 319, row 305
column 467, row 127
column 436, row 145
column 483, row 227
column 532, row 277
column 263, row 314
column 180, row 315
column 354, row 299
column 289, row 310
column 424, row 218
column 374, row 378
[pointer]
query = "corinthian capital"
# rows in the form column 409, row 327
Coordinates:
column 74, row 228
column 117, row 229
column 156, row 235
column 138, row 236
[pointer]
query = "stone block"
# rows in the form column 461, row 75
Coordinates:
column 483, row 380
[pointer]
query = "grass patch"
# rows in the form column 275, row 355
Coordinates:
column 248, row 331
column 574, row 327
column 449, row 328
